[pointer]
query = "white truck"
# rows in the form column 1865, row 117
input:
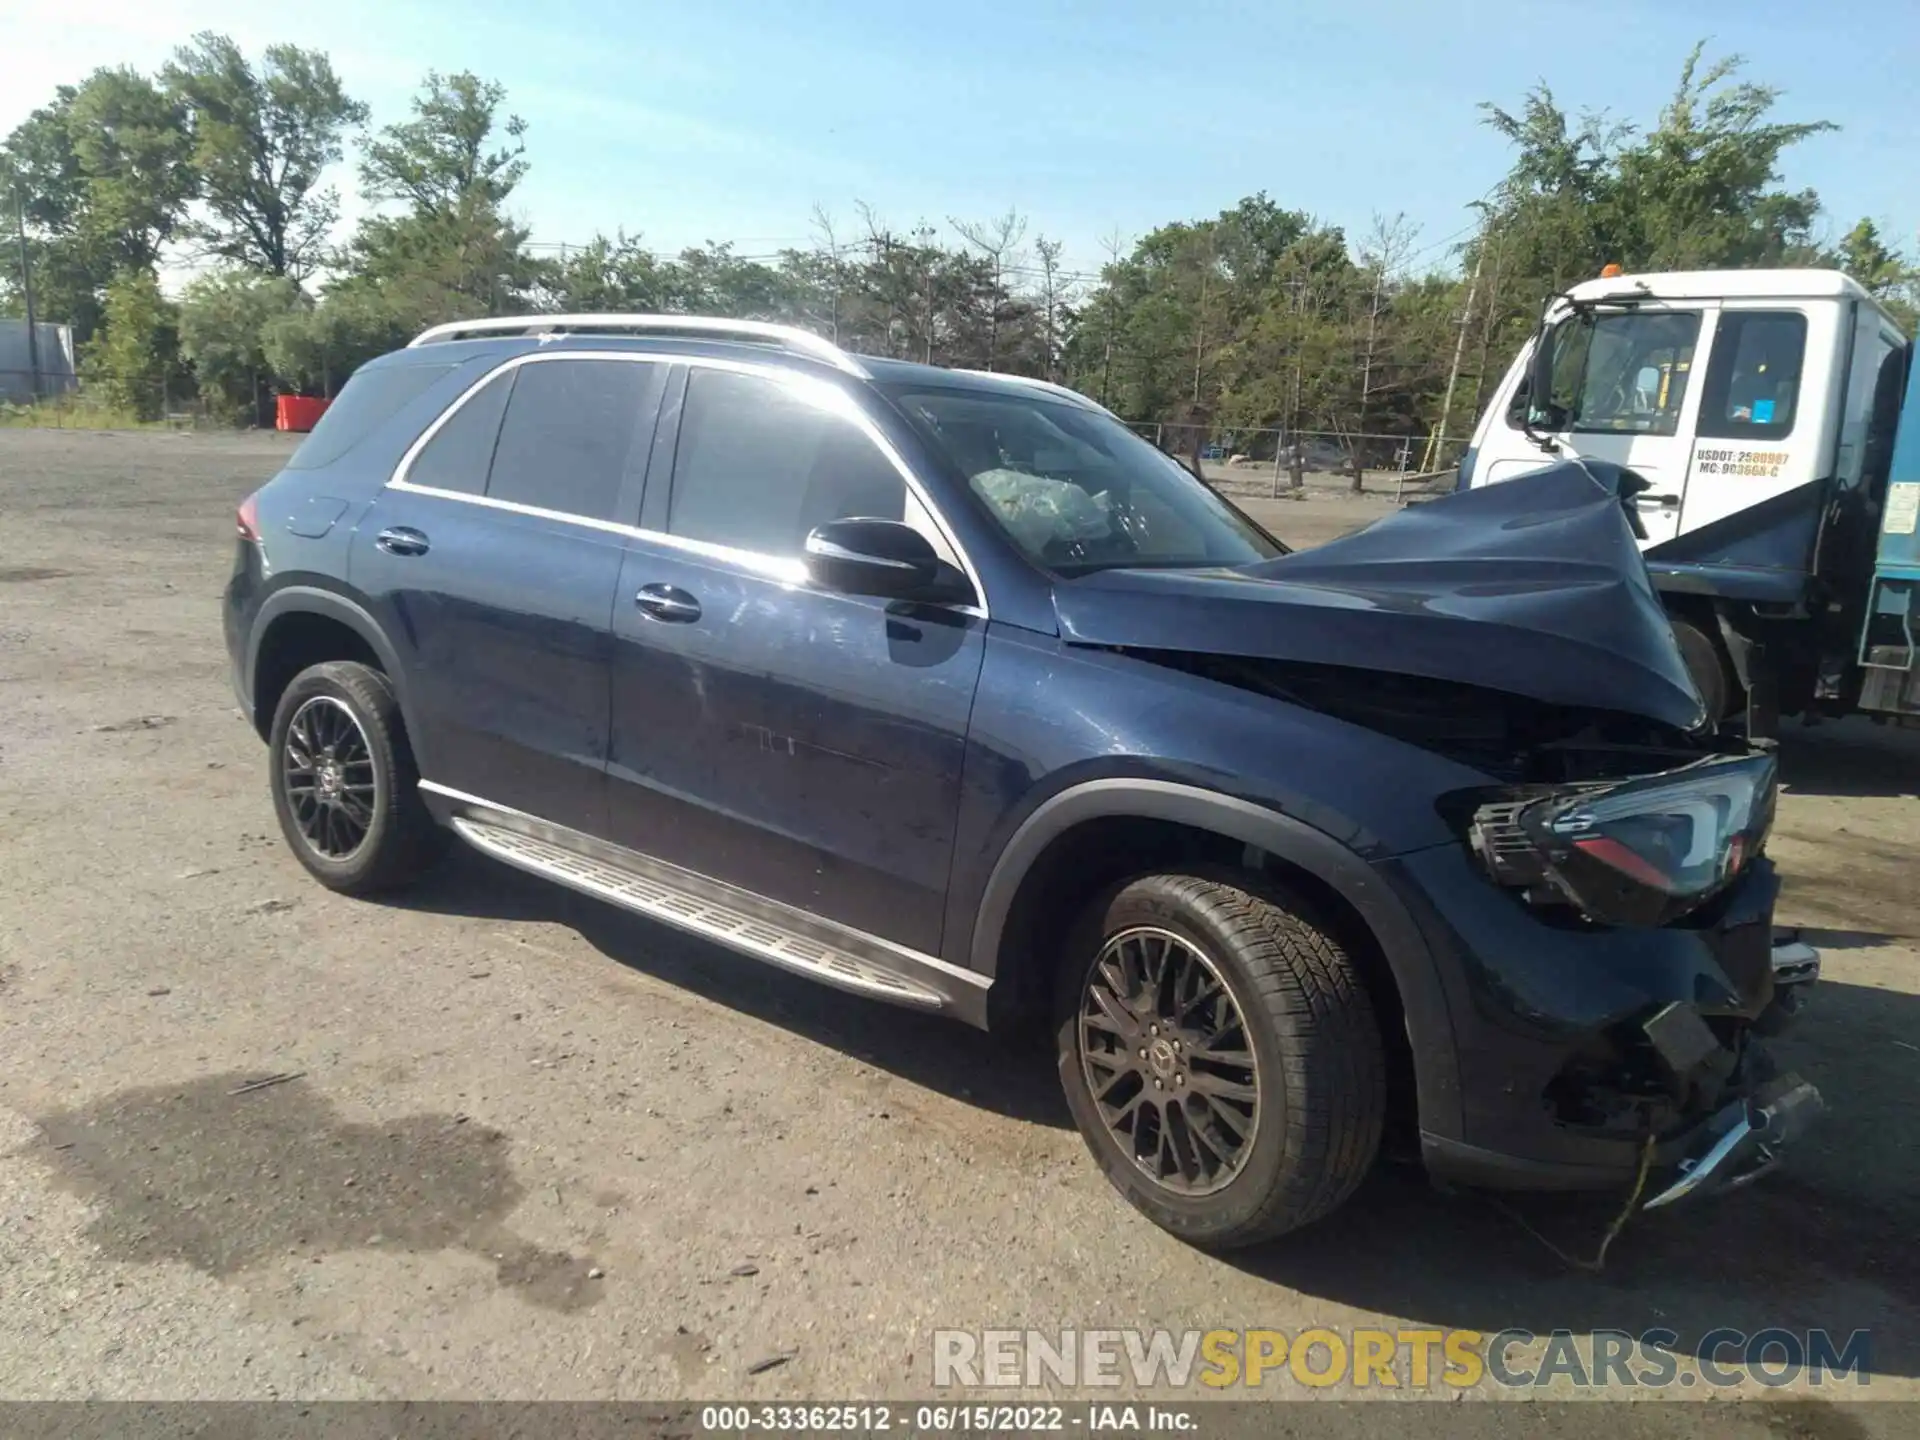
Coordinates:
column 1760, row 408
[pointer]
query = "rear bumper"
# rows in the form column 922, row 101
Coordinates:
column 1574, row 1044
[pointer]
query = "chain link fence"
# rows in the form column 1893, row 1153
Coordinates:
column 64, row 403
column 1270, row 462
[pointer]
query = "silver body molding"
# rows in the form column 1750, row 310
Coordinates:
column 752, row 924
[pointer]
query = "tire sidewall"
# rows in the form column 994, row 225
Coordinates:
column 1705, row 667
column 313, row 684
column 1200, row 1219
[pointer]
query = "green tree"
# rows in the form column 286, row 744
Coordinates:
column 313, row 349
column 135, row 364
column 1887, row 274
column 224, row 321
column 453, row 252
column 262, row 140
column 617, row 274
column 445, row 158
column 101, row 185
column 1699, row 190
column 1702, row 189
column 134, row 153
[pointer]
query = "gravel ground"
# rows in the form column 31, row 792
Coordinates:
column 539, row 1149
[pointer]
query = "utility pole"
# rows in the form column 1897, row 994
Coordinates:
column 26, row 293
column 1200, row 324
column 1111, row 278
column 1438, row 457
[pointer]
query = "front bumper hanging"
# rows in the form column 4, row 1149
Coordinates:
column 1748, row 1137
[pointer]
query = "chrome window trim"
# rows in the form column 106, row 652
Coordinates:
column 823, row 394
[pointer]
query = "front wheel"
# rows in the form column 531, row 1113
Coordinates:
column 345, row 786
column 1221, row 1057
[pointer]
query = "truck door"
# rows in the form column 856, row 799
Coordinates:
column 1623, row 392
column 1759, row 432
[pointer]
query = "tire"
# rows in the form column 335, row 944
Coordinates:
column 1708, row 670
column 400, row 840
column 1318, row 1073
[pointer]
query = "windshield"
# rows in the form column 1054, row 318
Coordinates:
column 1619, row 372
column 1077, row 491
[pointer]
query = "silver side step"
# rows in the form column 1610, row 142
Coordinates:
column 752, row 924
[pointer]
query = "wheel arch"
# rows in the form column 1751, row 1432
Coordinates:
column 302, row 625
column 1214, row 828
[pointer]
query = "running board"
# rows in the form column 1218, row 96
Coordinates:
column 765, row 929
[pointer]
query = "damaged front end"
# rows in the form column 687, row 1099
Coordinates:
column 1651, row 851
column 1602, row 921
column 1604, row 918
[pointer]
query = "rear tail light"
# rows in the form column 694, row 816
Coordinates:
column 247, row 519
column 1632, row 852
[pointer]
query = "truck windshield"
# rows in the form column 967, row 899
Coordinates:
column 1079, row 492
column 1618, row 372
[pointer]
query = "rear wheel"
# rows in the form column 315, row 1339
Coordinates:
column 1220, row 1056
column 345, row 786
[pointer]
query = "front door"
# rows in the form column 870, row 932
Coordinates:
column 1623, row 392
column 492, row 562
column 800, row 744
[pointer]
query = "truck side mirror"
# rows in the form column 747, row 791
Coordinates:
column 1540, row 404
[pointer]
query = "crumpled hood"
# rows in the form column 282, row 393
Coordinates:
column 1534, row 586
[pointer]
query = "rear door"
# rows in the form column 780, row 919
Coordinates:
column 800, row 744
column 492, row 559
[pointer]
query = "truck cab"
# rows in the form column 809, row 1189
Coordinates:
column 1758, row 408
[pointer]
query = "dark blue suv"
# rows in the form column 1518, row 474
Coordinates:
column 948, row 690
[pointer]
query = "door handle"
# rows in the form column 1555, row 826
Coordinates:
column 667, row 602
column 1655, row 502
column 402, row 540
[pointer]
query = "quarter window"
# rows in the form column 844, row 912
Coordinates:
column 569, row 432
column 1753, row 379
column 369, row 399
column 758, row 466
column 457, row 456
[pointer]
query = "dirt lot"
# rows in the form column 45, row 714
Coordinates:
column 541, row 1149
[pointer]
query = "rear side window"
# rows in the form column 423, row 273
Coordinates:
column 1753, row 379
column 569, row 434
column 758, row 466
column 364, row 404
column 457, row 456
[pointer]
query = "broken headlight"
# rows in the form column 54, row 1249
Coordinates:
column 1643, row 851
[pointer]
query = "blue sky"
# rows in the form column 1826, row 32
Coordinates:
column 725, row 119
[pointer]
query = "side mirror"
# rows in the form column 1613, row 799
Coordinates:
column 872, row 557
column 1540, row 377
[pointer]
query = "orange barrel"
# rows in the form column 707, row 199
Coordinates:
column 299, row 412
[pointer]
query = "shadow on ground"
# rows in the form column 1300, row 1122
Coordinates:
column 1013, row 1077
column 1834, row 1229
column 1852, row 757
